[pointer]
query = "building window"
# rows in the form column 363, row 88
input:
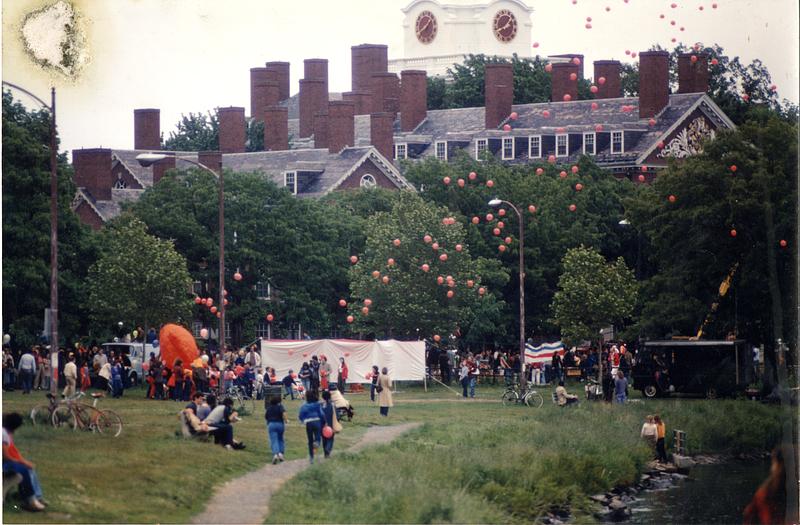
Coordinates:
column 588, row 144
column 562, row 145
column 617, row 142
column 535, row 147
column 196, row 327
column 263, row 291
column 197, row 288
column 508, row 148
column 368, row 181
column 262, row 330
column 290, row 181
column 400, row 151
column 480, row 148
column 441, row 150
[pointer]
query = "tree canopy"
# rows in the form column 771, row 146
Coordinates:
column 200, row 132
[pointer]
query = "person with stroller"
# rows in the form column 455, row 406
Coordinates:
column 341, row 404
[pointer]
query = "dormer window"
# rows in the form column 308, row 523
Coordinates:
column 562, row 145
column 368, row 181
column 290, row 181
column 481, row 145
column 508, row 148
column 400, row 151
column 589, row 143
column 441, row 150
column 617, row 142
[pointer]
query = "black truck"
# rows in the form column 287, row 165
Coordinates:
column 711, row 368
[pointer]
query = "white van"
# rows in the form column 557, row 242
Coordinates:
column 135, row 354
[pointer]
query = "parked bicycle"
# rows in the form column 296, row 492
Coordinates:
column 528, row 396
column 245, row 403
column 73, row 414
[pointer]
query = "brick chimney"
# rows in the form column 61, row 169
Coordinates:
column 498, row 93
column 692, row 76
column 316, row 69
column 385, row 89
column 161, row 167
column 313, row 99
column 147, row 129
column 210, row 159
column 653, row 82
column 276, row 128
column 570, row 57
column 264, row 93
column 279, row 72
column 413, row 98
column 257, row 76
column 92, row 170
column 361, row 99
column 381, row 129
column 366, row 60
column 561, row 83
column 341, row 125
column 610, row 70
column 321, row 129
column 232, row 134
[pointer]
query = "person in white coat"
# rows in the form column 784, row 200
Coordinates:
column 384, row 389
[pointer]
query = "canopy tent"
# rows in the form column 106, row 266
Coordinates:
column 404, row 359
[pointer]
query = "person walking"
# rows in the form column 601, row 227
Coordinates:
column 385, row 392
column 305, row 376
column 374, row 383
column 276, row 424
column 343, row 373
column 329, row 411
column 620, row 388
column 71, row 376
column 116, row 378
column 311, row 416
column 26, row 368
column 29, row 487
column 661, row 428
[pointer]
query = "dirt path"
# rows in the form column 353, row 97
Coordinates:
column 246, row 498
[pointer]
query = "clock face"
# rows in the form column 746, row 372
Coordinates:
column 505, row 25
column 426, row 27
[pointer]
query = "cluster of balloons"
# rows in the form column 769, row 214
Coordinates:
column 208, row 302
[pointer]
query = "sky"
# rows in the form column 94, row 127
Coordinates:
column 194, row 55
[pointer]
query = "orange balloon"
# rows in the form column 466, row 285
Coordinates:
column 177, row 343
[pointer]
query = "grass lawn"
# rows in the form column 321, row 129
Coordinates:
column 471, row 461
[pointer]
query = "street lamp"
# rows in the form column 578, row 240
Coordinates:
column 53, row 231
column 494, row 203
column 148, row 159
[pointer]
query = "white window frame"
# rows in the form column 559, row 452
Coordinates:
column 538, row 151
column 197, row 287
column 621, row 135
column 227, row 331
column 372, row 184
column 478, row 143
column 263, row 291
column 436, row 145
column 507, row 140
column 196, row 327
column 566, row 144
column 293, row 187
column 262, row 329
column 594, row 143
column 401, row 146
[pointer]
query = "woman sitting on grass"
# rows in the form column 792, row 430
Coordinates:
column 563, row 397
column 222, row 418
column 13, row 462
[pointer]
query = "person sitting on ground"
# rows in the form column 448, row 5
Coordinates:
column 563, row 397
column 13, row 462
column 340, row 402
column 205, row 407
column 193, row 420
column 650, row 431
column 222, row 418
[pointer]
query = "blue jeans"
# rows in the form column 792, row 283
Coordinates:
column 464, row 385
column 306, row 384
column 327, row 445
column 372, row 392
column 288, row 391
column 26, row 377
column 116, row 387
column 29, row 486
column 314, row 433
column 275, row 429
column 472, row 382
column 621, row 397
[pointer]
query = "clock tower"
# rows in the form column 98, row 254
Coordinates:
column 437, row 35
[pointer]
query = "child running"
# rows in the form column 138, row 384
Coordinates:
column 312, row 417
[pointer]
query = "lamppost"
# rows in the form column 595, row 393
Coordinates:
column 148, row 159
column 53, row 232
column 494, row 203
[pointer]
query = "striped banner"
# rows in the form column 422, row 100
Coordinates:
column 543, row 353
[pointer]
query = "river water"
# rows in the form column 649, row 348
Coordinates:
column 715, row 494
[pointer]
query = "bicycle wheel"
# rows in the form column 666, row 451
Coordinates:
column 109, row 423
column 63, row 417
column 40, row 415
column 534, row 399
column 87, row 417
column 510, row 397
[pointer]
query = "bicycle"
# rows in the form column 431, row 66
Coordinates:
column 245, row 403
column 75, row 415
column 528, row 396
column 43, row 414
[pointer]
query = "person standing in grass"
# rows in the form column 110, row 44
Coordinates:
column 374, row 382
column 620, row 387
column 385, row 392
column 650, row 432
column 463, row 377
column 305, row 376
column 329, row 411
column 474, row 372
column 661, row 430
column 343, row 373
column 311, row 416
column 276, row 423
column 71, row 376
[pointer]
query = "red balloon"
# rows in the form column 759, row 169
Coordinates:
column 450, row 294
column 733, row 168
column 435, row 246
column 506, row 127
column 459, row 247
column 573, row 76
column 507, row 240
column 209, row 301
column 642, row 178
column 783, row 243
column 652, row 122
column 489, row 183
column 574, row 169
column 546, row 114
column 563, row 174
column 496, row 231
column 539, row 171
column 365, row 311
column 385, row 279
column 532, row 208
column 350, row 319
column 347, row 354
column 514, row 115
column 567, row 97
column 225, row 302
column 440, row 280
column 270, row 317
column 396, row 242
column 572, row 207
column 475, row 220
column 536, row 44
column 213, row 309
column 437, row 338
column 551, row 159
column 579, row 186
column 489, row 217
column 204, row 302
column 481, row 291
column 461, row 183
column 714, row 61
column 576, row 61
column 446, row 180
column 501, row 212
column 593, row 89
column 427, row 239
column 471, row 283
column 587, row 26
column 601, row 80
column 219, row 315
column 548, row 68
column 425, row 267
column 693, row 57
column 733, row 233
column 390, row 262
column 376, row 274
column 327, row 432
column 501, row 224
column 342, row 303
column 672, row 198
column 443, row 257
column 237, row 276
column 353, row 259
column 472, row 175
column 197, row 300
column 502, row 247
column 367, row 302
column 661, row 144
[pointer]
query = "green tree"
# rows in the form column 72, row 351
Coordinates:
column 138, row 277
column 592, row 294
column 411, row 303
column 200, row 132
column 26, row 231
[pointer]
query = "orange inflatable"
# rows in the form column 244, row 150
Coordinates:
column 177, row 342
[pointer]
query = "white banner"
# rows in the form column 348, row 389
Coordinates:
column 543, row 353
column 404, row 359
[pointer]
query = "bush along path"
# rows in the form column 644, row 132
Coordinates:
column 246, row 499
